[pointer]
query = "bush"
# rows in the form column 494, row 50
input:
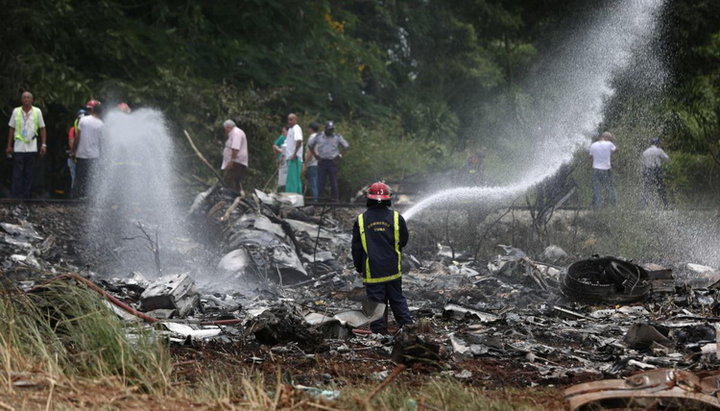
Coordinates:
column 690, row 179
column 384, row 152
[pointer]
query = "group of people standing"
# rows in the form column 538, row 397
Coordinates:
column 27, row 126
column 85, row 140
column 603, row 187
column 319, row 163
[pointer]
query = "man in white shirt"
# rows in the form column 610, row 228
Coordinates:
column 653, row 178
column 293, row 155
column 86, row 148
column 26, row 123
column 602, row 179
column 235, row 156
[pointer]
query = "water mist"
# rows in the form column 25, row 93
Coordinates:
column 135, row 207
column 577, row 82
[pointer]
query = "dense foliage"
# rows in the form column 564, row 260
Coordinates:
column 408, row 82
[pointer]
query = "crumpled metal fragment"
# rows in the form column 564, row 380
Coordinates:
column 650, row 388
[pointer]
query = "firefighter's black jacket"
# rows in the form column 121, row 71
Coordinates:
column 384, row 258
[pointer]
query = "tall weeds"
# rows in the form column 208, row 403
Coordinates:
column 65, row 329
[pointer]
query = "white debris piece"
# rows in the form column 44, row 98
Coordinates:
column 282, row 199
column 236, row 260
column 459, row 346
column 553, row 253
column 26, row 230
column 459, row 312
column 28, row 260
column 356, row 318
column 185, row 330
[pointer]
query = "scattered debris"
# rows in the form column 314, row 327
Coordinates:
column 656, row 389
column 459, row 313
column 642, row 336
column 281, row 199
column 606, row 279
column 171, row 292
column 282, row 325
column 328, row 395
column 554, row 254
column 281, row 284
column 23, row 232
column 517, row 264
column 702, row 276
column 411, row 347
column 661, row 278
column 183, row 333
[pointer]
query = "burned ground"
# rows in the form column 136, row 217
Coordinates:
column 500, row 325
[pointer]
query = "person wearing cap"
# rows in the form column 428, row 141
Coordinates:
column 86, row 147
column 379, row 235
column 310, row 166
column 26, row 124
column 653, row 178
column 602, row 179
column 235, row 156
column 326, row 148
column 294, row 155
column 72, row 132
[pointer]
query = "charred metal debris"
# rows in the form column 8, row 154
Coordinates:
column 283, row 280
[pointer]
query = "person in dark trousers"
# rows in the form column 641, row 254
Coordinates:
column 653, row 178
column 379, row 235
column 87, row 148
column 25, row 126
column 310, row 165
column 601, row 152
column 72, row 132
column 326, row 148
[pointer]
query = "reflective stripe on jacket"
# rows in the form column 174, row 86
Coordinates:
column 19, row 123
column 379, row 234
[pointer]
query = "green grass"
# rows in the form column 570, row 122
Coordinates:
column 65, row 330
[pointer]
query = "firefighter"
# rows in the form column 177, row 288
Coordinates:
column 379, row 235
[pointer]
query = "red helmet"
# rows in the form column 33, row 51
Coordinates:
column 379, row 191
column 123, row 107
column 91, row 103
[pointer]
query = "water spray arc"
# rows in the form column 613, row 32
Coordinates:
column 576, row 84
column 133, row 192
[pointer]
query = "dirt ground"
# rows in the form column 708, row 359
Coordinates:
column 496, row 380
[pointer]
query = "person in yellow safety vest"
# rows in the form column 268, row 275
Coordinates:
column 26, row 123
column 379, row 235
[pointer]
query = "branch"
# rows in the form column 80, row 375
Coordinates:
column 202, row 157
column 154, row 245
